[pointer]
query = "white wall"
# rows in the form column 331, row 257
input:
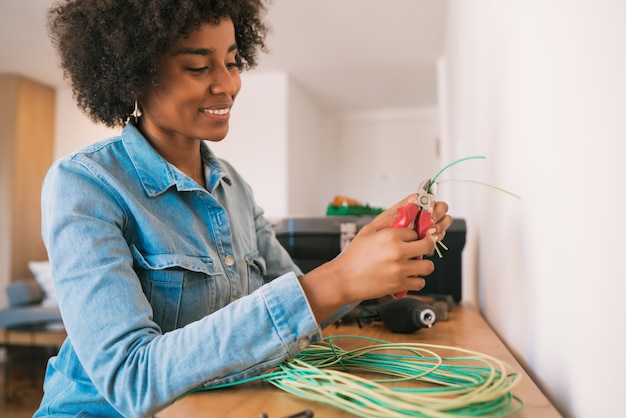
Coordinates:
column 386, row 154
column 312, row 153
column 73, row 129
column 540, row 88
column 283, row 144
column 256, row 144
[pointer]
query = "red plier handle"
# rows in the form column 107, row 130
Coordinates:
column 417, row 213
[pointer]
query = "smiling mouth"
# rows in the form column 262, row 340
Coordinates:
column 218, row 112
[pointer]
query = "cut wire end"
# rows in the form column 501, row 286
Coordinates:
column 438, row 250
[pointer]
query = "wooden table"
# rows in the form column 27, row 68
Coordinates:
column 24, row 340
column 50, row 334
column 466, row 328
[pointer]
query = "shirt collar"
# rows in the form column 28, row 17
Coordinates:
column 157, row 175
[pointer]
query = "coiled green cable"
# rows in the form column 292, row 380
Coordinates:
column 386, row 380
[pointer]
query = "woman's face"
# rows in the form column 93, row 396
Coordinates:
column 199, row 80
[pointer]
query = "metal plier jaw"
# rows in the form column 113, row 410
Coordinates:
column 425, row 199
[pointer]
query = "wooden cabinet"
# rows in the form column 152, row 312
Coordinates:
column 27, row 113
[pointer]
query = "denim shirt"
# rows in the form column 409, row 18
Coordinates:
column 163, row 285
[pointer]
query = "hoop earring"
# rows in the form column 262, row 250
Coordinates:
column 137, row 112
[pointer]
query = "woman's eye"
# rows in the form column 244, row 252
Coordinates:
column 233, row 66
column 197, row 69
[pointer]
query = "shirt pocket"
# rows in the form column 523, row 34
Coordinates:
column 256, row 270
column 180, row 288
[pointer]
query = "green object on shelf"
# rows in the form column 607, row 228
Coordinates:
column 352, row 210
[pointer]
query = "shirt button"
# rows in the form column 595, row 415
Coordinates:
column 303, row 343
column 229, row 260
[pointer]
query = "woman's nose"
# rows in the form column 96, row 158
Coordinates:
column 225, row 81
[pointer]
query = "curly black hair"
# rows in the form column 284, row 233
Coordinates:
column 109, row 49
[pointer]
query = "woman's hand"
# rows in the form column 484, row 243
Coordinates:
column 379, row 261
column 441, row 219
column 440, row 215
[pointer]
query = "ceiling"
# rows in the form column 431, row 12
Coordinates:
column 350, row 55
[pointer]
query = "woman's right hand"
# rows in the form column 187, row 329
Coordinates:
column 379, row 261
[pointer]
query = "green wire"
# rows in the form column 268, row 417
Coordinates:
column 460, row 160
column 480, row 184
column 472, row 384
column 433, row 180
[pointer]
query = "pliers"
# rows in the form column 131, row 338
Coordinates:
column 417, row 214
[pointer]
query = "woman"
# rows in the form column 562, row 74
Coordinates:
column 159, row 253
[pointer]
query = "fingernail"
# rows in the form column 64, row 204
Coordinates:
column 432, row 231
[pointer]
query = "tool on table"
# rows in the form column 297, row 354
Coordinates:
column 407, row 314
column 403, row 315
column 307, row 413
